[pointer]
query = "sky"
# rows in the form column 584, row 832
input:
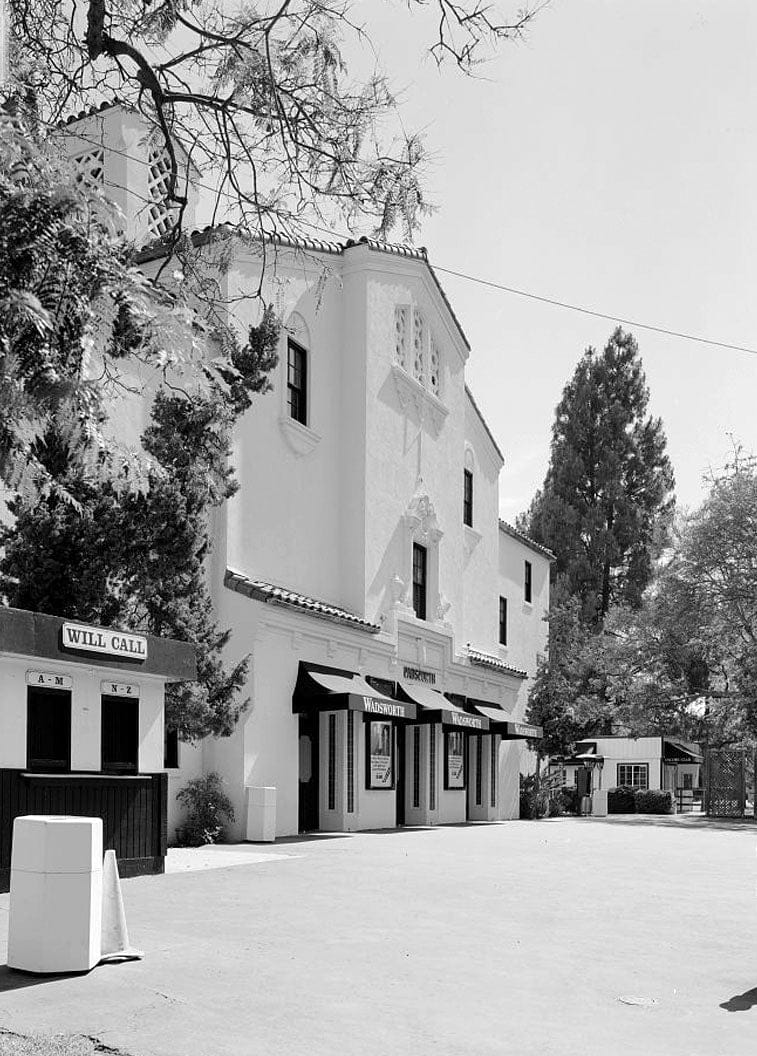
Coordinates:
column 610, row 161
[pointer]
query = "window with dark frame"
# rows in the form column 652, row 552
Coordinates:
column 420, row 562
column 503, row 621
column 468, row 498
column 297, row 379
column 48, row 730
column 527, row 581
column 633, row 775
column 119, row 745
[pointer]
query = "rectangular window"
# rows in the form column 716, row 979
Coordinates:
column 350, row 762
column 416, row 766
column 420, row 556
column 493, row 770
column 468, row 498
column 688, row 781
column 171, row 749
column 454, row 759
column 120, row 735
column 332, row 762
column 297, row 382
column 633, row 775
column 379, row 755
column 48, row 729
column 527, row 581
column 503, row 621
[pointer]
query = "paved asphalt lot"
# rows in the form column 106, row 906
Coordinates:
column 557, row 937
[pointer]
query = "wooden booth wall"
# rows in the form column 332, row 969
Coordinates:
column 133, row 810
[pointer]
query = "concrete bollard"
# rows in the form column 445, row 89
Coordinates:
column 55, row 913
column 599, row 803
column 261, row 814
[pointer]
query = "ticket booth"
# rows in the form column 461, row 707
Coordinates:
column 438, row 756
column 349, row 775
column 82, row 730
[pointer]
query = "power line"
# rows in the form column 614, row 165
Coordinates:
column 463, row 275
column 596, row 314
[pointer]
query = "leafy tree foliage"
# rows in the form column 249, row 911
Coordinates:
column 137, row 559
column 262, row 95
column 568, row 697
column 685, row 661
column 606, row 502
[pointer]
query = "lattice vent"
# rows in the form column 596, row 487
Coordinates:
column 91, row 167
column 161, row 216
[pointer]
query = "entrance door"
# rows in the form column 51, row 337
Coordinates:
column 400, row 773
column 308, row 785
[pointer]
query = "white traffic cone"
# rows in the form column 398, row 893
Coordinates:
column 115, row 938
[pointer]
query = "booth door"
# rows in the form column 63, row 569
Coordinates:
column 308, row 784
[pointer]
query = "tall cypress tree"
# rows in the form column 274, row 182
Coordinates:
column 607, row 499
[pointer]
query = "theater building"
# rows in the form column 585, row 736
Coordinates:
column 392, row 620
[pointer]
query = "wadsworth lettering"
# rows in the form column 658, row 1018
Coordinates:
column 418, row 675
column 467, row 720
column 381, row 707
column 98, row 640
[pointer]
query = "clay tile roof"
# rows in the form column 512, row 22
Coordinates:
column 508, row 529
column 106, row 105
column 259, row 590
column 487, row 660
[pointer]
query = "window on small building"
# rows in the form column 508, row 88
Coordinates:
column 120, row 735
column 468, row 498
column 297, row 379
column 633, row 775
column 527, row 581
column 503, row 621
column 171, row 749
column 420, row 561
column 48, row 729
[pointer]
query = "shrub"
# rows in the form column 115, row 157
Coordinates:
column 621, row 800
column 564, row 801
column 208, row 809
column 654, row 801
column 533, row 804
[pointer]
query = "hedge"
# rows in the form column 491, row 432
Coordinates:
column 654, row 801
column 624, row 800
column 621, row 800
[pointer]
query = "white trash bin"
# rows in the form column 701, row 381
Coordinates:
column 261, row 814
column 599, row 803
column 55, row 914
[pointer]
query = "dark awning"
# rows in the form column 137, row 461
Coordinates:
column 434, row 707
column 509, row 730
column 324, row 689
column 675, row 752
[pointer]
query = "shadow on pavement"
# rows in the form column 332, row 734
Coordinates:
column 10, row 979
column 682, row 822
column 741, row 1002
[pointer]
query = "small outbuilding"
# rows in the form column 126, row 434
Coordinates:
column 82, row 730
column 659, row 762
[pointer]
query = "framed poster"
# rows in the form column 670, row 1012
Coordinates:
column 454, row 770
column 379, row 764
